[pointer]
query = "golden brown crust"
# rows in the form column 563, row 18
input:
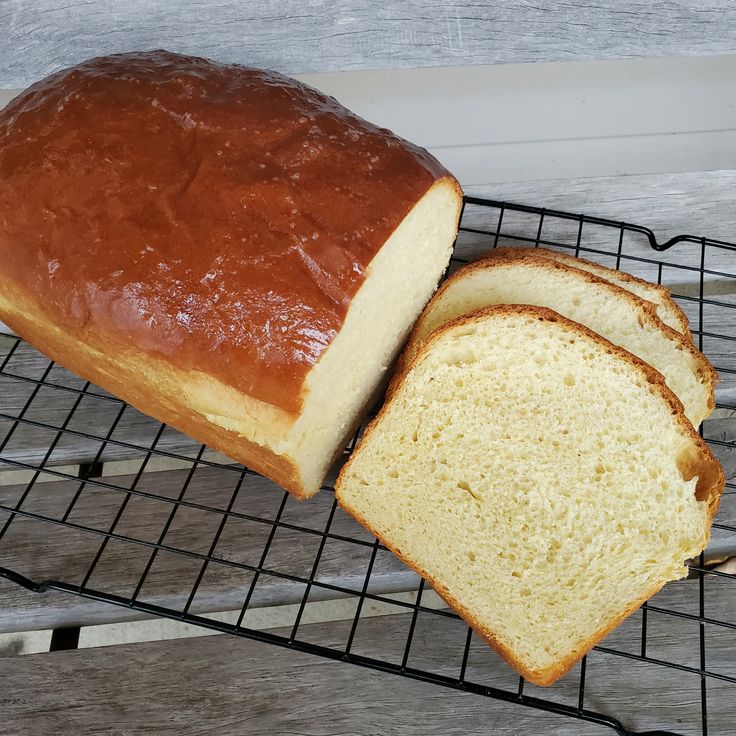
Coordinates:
column 665, row 295
column 705, row 372
column 222, row 216
column 701, row 462
column 130, row 381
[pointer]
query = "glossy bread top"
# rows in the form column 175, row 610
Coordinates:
column 217, row 216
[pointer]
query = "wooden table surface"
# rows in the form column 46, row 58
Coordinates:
column 225, row 685
column 37, row 38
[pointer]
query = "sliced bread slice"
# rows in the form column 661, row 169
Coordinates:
column 667, row 308
column 616, row 314
column 543, row 480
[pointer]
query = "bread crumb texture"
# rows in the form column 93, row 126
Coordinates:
column 530, row 472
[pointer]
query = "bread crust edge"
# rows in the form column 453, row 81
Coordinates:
column 566, row 258
column 704, row 371
column 120, row 381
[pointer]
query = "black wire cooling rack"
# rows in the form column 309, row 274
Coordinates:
column 188, row 532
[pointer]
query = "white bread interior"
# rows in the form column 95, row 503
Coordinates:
column 536, row 475
column 616, row 314
column 400, row 280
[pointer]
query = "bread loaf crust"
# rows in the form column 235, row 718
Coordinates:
column 211, row 243
column 129, row 375
column 219, row 218
column 699, row 461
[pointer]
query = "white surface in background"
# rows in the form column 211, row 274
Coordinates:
column 28, row 642
column 557, row 120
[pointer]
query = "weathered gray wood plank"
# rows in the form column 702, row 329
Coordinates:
column 246, row 688
column 255, row 688
column 37, row 38
column 43, row 551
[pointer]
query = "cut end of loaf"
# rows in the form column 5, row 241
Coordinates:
column 348, row 374
column 530, row 471
column 379, row 319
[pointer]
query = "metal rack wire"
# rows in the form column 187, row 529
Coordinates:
column 47, row 432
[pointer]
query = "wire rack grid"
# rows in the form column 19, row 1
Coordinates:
column 160, row 542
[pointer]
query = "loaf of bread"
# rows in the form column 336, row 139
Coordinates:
column 543, row 480
column 618, row 315
column 667, row 308
column 228, row 250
